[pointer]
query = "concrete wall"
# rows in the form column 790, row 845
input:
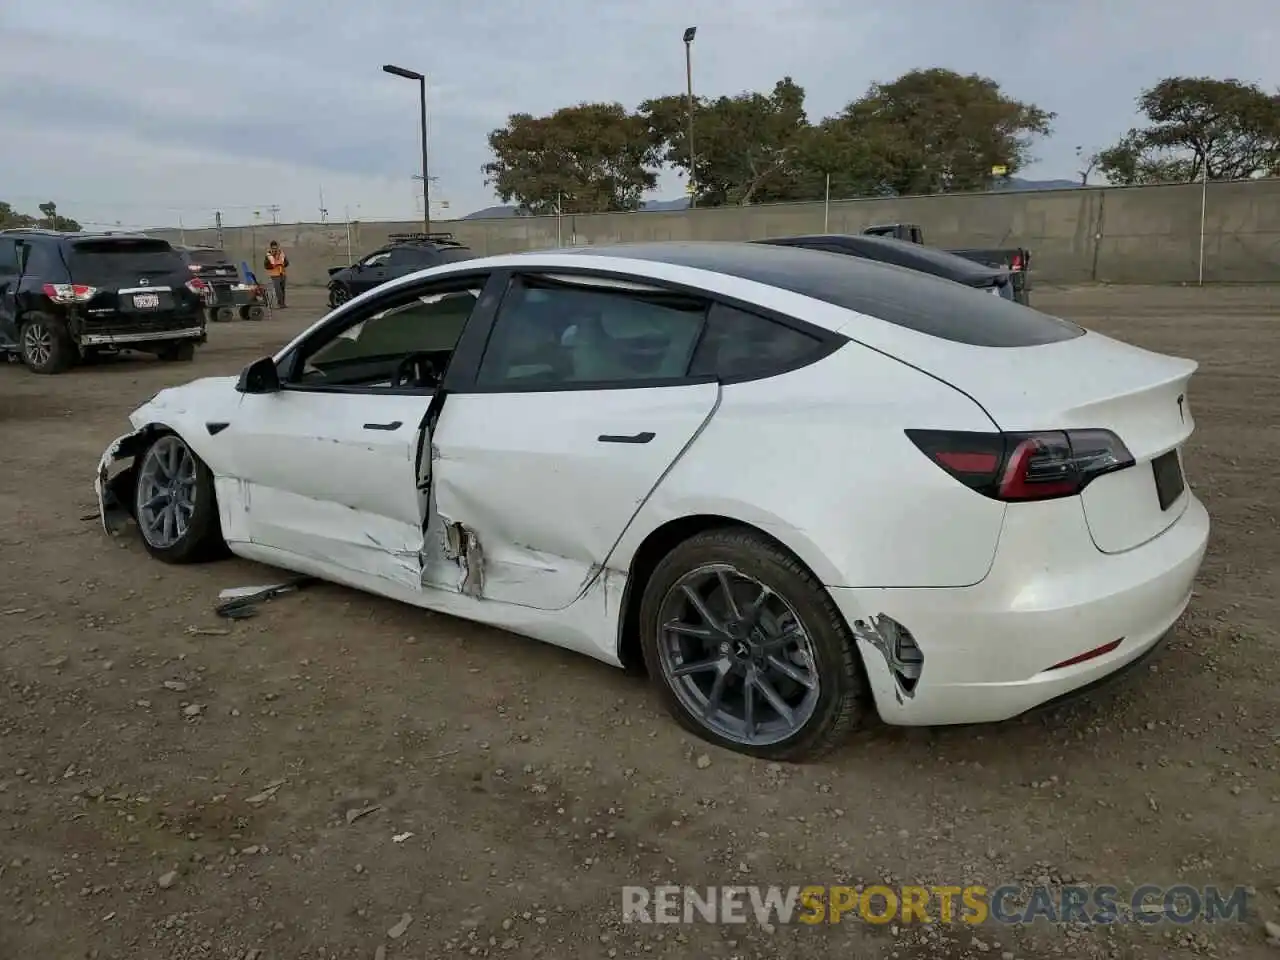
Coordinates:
column 1108, row 234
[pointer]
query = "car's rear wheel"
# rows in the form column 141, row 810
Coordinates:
column 748, row 650
column 45, row 344
column 338, row 295
column 175, row 506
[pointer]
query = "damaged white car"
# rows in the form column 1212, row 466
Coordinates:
column 794, row 486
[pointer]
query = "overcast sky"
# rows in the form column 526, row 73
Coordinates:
column 139, row 111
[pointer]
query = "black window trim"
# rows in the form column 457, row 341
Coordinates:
column 826, row 341
column 340, row 321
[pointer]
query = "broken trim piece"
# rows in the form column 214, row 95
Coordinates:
column 903, row 656
column 115, row 493
column 463, row 546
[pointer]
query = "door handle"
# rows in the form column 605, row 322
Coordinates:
column 393, row 425
column 644, row 437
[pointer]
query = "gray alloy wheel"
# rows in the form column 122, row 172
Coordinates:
column 166, row 492
column 37, row 343
column 737, row 656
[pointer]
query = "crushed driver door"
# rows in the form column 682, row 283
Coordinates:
column 337, row 477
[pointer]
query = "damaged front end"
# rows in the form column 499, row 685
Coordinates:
column 115, row 485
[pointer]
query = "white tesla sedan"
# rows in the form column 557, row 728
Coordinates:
column 793, row 485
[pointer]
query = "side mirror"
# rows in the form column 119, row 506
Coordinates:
column 359, row 266
column 260, row 376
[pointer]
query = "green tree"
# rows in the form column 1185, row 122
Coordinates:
column 857, row 162
column 937, row 131
column 1198, row 126
column 745, row 147
column 52, row 220
column 590, row 157
column 10, row 218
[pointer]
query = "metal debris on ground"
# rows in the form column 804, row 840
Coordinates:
column 239, row 603
column 356, row 813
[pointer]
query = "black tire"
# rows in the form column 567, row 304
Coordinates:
column 45, row 344
column 338, row 295
column 254, row 312
column 225, row 314
column 180, row 351
column 202, row 540
column 843, row 693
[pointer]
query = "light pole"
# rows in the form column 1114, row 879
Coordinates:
column 422, row 104
column 689, row 34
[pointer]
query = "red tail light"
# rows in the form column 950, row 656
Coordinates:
column 69, row 292
column 1015, row 264
column 1025, row 466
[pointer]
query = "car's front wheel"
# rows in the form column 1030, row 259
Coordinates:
column 175, row 505
column 748, row 650
column 338, row 295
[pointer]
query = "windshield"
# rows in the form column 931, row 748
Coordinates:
column 107, row 261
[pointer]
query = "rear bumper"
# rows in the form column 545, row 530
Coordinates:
column 146, row 336
column 989, row 649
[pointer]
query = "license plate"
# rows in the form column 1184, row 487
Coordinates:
column 146, row 301
column 1169, row 481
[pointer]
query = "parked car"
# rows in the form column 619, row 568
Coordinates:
column 900, row 253
column 230, row 297
column 795, row 487
column 65, row 296
column 1017, row 260
column 405, row 253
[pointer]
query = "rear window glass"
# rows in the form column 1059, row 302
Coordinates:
column 207, row 258
column 905, row 298
column 91, row 260
column 454, row 254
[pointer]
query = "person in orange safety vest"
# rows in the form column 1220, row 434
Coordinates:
column 277, row 267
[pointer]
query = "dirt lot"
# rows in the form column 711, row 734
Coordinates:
column 136, row 729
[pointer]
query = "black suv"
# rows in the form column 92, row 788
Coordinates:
column 64, row 296
column 405, row 253
column 229, row 297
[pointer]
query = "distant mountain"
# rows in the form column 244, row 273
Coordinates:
column 680, row 203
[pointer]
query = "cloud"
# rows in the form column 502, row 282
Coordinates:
column 134, row 111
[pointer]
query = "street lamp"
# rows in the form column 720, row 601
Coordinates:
column 689, row 34
column 422, row 103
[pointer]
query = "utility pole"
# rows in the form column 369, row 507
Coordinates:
column 421, row 78
column 217, row 222
column 689, row 34
column 275, row 210
column 324, row 214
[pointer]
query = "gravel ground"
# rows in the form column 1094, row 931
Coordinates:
column 343, row 776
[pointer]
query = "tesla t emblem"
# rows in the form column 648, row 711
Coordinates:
column 144, row 282
column 1182, row 407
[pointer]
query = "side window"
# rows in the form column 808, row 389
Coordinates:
column 589, row 331
column 738, row 344
column 409, row 257
column 374, row 350
column 8, row 258
column 378, row 259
